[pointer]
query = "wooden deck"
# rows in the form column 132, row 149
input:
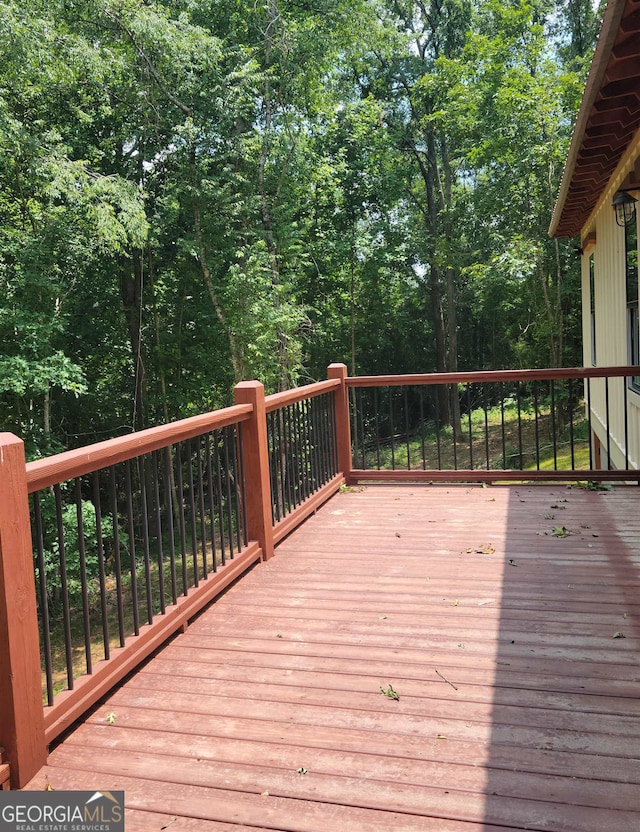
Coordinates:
column 518, row 696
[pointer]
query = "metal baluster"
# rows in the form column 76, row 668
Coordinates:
column 422, row 428
column 376, row 426
column 227, row 483
column 192, row 514
column 536, row 420
column 212, row 495
column 202, row 509
column 504, row 436
column 273, row 467
column 486, row 426
column 437, row 397
column 469, row 406
column 181, row 519
column 406, row 426
column 288, row 460
column 84, row 586
column 591, row 463
column 453, row 391
column 626, row 423
column 44, row 600
column 101, row 569
column 132, row 548
column 116, row 553
column 168, row 463
column 606, row 398
column 519, row 401
column 159, row 549
column 553, row 425
column 571, row 437
column 64, row 587
column 393, row 429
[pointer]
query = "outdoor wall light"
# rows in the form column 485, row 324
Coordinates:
column 625, row 207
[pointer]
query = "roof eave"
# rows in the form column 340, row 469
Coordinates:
column 608, row 31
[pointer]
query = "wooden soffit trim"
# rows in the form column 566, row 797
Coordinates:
column 608, row 119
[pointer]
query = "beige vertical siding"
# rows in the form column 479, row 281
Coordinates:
column 611, row 323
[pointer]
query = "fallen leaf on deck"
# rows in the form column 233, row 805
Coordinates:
column 167, row 825
column 301, row 770
column 264, row 794
column 487, row 549
column 512, row 562
column 618, row 635
column 111, row 718
column 440, row 737
column 549, row 516
column 389, row 693
column 456, row 603
column 560, row 531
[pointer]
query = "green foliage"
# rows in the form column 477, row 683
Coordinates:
column 81, row 539
column 197, row 192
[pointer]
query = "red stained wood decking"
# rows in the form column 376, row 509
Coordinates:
column 518, row 705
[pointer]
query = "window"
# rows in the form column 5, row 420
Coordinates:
column 633, row 324
column 592, row 301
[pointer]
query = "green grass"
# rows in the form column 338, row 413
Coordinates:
column 436, row 450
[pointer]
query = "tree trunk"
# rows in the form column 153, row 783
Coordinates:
column 131, row 294
column 285, row 371
column 237, row 359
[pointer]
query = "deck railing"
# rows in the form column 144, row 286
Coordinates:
column 303, row 459
column 490, row 426
column 115, row 547
column 105, row 551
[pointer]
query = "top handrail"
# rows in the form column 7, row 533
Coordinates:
column 277, row 400
column 492, row 375
column 42, row 473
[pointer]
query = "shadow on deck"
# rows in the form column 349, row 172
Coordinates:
column 514, row 654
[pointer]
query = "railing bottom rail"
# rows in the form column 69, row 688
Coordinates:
column 359, row 475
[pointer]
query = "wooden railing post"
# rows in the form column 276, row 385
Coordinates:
column 21, row 710
column 255, row 455
column 343, row 422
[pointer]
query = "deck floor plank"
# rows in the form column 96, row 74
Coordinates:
column 518, row 707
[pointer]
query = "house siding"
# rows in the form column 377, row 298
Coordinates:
column 611, row 321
